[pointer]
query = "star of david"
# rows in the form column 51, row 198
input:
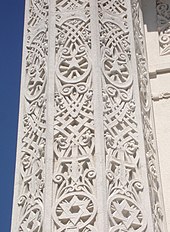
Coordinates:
column 129, row 215
column 32, row 223
column 75, row 210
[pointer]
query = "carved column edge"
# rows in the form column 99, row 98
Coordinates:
column 135, row 67
column 150, row 143
column 47, row 225
column 30, row 160
column 98, row 119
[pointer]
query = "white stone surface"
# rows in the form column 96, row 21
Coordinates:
column 86, row 158
column 156, row 12
column 161, row 95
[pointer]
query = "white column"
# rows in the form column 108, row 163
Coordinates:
column 86, row 149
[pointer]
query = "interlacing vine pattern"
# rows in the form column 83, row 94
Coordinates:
column 123, row 165
column 150, row 148
column 31, row 189
column 74, row 201
column 163, row 22
column 73, row 182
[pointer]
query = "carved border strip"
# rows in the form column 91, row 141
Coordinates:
column 74, row 171
column 32, row 153
column 149, row 137
column 123, row 164
column 163, row 22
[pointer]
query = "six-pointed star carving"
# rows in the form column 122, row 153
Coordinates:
column 129, row 215
column 75, row 210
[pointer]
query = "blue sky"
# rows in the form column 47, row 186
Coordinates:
column 11, row 30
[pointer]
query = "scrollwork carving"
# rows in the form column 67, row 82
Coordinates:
column 32, row 159
column 74, row 203
column 124, row 183
column 150, row 147
column 75, row 178
column 163, row 21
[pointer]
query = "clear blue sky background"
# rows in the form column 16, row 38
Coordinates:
column 11, row 30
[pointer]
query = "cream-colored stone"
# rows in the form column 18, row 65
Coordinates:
column 161, row 88
column 156, row 20
column 87, row 156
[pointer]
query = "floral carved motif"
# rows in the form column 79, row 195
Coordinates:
column 32, row 158
column 74, row 203
column 163, row 21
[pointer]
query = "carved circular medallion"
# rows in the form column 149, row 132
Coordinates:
column 125, row 214
column 74, row 210
column 73, row 66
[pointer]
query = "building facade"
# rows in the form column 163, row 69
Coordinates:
column 93, row 132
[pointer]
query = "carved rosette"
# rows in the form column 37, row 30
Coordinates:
column 32, row 152
column 150, row 146
column 74, row 174
column 163, row 22
column 123, row 165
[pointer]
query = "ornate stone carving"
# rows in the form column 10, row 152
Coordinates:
column 124, row 183
column 74, row 203
column 32, row 157
column 163, row 20
column 75, row 165
column 150, row 147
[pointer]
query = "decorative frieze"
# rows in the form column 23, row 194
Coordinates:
column 163, row 21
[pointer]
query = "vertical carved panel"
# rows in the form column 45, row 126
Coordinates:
column 123, row 165
column 150, row 148
column 163, row 21
column 74, row 164
column 74, row 201
column 32, row 157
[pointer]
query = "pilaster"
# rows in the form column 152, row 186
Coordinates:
column 87, row 158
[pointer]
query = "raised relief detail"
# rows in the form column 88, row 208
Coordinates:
column 74, row 185
column 163, row 21
column 32, row 157
column 74, row 174
column 150, row 147
column 124, row 182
